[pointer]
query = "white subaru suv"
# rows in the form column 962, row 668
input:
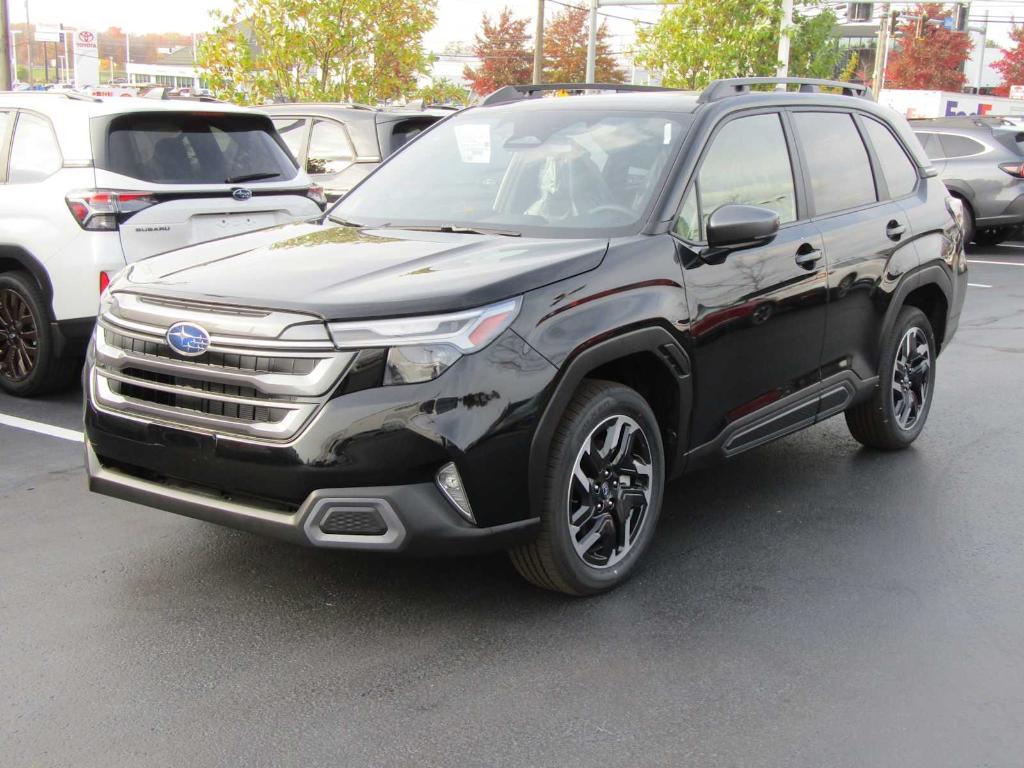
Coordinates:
column 88, row 185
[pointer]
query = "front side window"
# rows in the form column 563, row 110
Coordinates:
column 329, row 148
column 688, row 223
column 34, row 152
column 748, row 163
column 837, row 161
column 900, row 173
column 531, row 169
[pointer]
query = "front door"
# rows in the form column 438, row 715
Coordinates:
column 758, row 317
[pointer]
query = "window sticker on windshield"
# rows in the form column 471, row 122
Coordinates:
column 668, row 134
column 474, row 142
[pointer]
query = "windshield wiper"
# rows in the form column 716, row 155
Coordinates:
column 451, row 228
column 251, row 177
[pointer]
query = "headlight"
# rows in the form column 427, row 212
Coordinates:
column 422, row 348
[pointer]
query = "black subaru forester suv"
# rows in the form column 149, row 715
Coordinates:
column 523, row 324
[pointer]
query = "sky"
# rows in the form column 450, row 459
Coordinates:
column 458, row 20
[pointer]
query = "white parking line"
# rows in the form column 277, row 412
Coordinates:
column 41, row 428
column 1003, row 263
column 979, row 285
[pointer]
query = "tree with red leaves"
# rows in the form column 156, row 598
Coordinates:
column 1011, row 66
column 565, row 50
column 504, row 56
column 928, row 56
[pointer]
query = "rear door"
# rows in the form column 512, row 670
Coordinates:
column 197, row 176
column 867, row 236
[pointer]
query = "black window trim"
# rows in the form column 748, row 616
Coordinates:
column 861, row 119
column 300, row 160
column 799, row 190
column 9, row 155
column 5, row 142
column 872, row 161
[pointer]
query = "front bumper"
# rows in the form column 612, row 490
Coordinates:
column 413, row 518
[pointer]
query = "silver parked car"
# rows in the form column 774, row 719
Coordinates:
column 981, row 161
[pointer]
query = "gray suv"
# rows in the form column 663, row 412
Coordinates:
column 981, row 161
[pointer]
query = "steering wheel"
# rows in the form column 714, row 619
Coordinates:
column 629, row 213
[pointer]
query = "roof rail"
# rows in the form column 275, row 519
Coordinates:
column 73, row 95
column 519, row 92
column 723, row 89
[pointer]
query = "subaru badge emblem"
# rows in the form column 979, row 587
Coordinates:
column 188, row 339
column 241, row 193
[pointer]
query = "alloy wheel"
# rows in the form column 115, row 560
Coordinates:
column 911, row 377
column 610, row 491
column 19, row 336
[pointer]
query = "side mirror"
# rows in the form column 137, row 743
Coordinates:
column 734, row 227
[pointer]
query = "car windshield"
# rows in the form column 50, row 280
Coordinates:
column 536, row 171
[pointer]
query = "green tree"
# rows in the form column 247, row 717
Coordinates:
column 350, row 50
column 565, row 50
column 703, row 40
column 504, row 56
column 443, row 91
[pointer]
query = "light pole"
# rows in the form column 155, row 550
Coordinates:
column 538, row 45
column 6, row 47
column 28, row 44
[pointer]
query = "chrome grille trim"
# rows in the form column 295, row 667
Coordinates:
column 258, row 388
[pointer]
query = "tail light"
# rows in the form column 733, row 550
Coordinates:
column 1014, row 169
column 316, row 194
column 104, row 282
column 101, row 210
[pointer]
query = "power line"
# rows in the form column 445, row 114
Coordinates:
column 602, row 13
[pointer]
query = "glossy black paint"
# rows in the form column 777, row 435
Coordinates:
column 730, row 354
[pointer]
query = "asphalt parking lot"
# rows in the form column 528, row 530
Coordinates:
column 809, row 603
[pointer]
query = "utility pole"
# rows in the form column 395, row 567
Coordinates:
column 981, row 54
column 28, row 43
column 592, row 43
column 881, row 48
column 5, row 48
column 538, row 45
column 787, row 21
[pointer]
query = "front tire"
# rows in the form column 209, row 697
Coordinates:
column 602, row 493
column 896, row 413
column 29, row 364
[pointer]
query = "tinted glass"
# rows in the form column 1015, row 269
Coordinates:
column 548, row 172
column 932, row 145
column 900, row 173
column 837, row 161
column 960, row 146
column 34, row 152
column 189, row 148
column 748, row 163
column 293, row 131
column 329, row 148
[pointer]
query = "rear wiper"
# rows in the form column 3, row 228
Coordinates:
column 455, row 230
column 251, row 177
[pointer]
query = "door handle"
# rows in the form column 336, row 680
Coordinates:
column 807, row 256
column 894, row 230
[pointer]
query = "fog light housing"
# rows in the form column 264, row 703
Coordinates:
column 450, row 483
column 411, row 365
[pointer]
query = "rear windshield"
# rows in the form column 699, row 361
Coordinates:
column 196, row 148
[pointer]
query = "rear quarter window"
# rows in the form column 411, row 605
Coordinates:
column 954, row 146
column 405, row 131
column 195, row 148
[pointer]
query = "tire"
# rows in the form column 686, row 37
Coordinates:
column 29, row 364
column 897, row 411
column 618, row 512
column 992, row 236
column 968, row 222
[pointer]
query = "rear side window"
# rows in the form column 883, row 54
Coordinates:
column 194, row 148
column 34, row 151
column 293, row 131
column 748, row 163
column 837, row 161
column 900, row 173
column 330, row 151
column 959, row 146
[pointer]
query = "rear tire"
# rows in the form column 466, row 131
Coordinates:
column 897, row 411
column 968, row 221
column 29, row 364
column 602, row 493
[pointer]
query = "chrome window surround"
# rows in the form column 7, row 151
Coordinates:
column 291, row 399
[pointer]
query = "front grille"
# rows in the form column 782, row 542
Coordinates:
column 248, row 384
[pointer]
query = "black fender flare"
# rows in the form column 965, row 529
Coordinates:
column 592, row 355
column 26, row 262
column 928, row 274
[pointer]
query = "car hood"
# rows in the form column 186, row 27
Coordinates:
column 341, row 272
